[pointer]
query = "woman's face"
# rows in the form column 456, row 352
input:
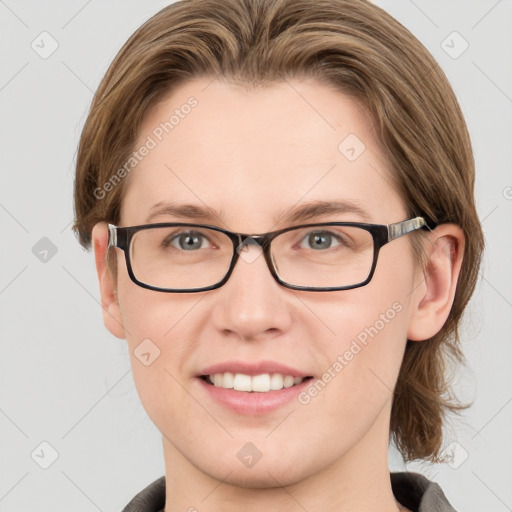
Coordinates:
column 246, row 159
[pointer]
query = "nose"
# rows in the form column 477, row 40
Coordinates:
column 252, row 304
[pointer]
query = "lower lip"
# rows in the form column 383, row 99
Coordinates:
column 253, row 403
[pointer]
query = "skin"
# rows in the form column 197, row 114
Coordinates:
column 248, row 156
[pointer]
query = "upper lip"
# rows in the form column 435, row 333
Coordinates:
column 252, row 368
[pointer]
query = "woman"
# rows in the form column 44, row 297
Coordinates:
column 279, row 195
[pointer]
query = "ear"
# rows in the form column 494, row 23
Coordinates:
column 108, row 283
column 432, row 301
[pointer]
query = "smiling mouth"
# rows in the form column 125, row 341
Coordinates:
column 262, row 383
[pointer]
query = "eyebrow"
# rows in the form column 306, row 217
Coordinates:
column 183, row 211
column 314, row 209
column 301, row 212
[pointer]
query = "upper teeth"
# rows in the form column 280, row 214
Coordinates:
column 261, row 383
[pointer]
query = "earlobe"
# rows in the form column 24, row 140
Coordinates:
column 109, row 304
column 433, row 301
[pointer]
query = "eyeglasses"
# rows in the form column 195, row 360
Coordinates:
column 182, row 257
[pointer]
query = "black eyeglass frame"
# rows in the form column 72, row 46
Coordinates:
column 382, row 234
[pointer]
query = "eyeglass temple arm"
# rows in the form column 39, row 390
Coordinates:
column 112, row 235
column 402, row 228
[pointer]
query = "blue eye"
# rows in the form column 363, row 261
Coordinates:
column 190, row 241
column 319, row 240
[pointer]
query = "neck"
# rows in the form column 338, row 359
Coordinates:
column 358, row 480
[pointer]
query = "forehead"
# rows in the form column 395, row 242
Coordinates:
column 250, row 153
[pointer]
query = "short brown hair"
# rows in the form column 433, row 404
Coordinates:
column 362, row 51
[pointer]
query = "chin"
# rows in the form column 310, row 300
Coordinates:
column 264, row 478
column 274, row 472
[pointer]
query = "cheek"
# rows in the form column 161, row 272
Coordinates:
column 360, row 368
column 366, row 337
column 160, row 337
column 150, row 314
column 367, row 349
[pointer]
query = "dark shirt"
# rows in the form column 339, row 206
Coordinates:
column 412, row 490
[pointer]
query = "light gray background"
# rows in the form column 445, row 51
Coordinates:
column 66, row 381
